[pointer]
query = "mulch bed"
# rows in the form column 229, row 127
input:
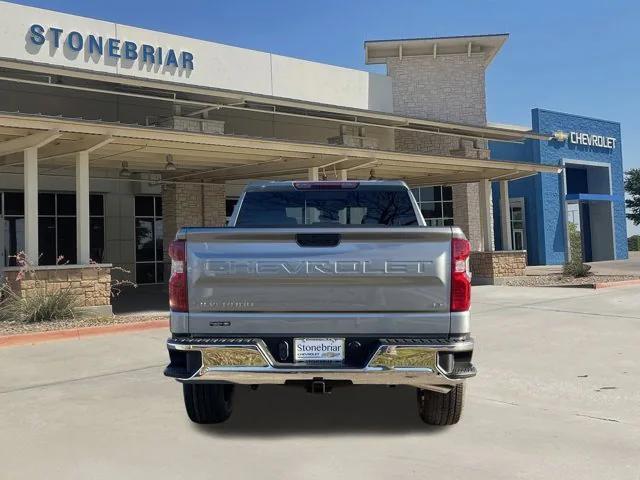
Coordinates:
column 562, row 281
column 15, row 328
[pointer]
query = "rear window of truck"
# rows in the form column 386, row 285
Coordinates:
column 370, row 206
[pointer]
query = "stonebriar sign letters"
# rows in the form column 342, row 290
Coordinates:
column 113, row 48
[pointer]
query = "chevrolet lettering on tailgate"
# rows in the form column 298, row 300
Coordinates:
column 326, row 267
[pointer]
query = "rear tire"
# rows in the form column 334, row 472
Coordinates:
column 208, row 403
column 441, row 408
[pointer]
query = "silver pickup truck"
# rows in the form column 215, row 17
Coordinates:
column 321, row 284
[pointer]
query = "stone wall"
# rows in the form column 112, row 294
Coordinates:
column 492, row 267
column 90, row 283
column 466, row 212
column 191, row 205
column 448, row 88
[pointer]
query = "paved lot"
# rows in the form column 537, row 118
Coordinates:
column 558, row 395
column 630, row 266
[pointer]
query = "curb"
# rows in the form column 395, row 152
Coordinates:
column 621, row 283
column 78, row 333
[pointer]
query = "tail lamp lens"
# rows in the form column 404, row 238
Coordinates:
column 460, row 275
column 178, row 301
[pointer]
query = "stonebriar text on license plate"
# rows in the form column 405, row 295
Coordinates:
column 323, row 349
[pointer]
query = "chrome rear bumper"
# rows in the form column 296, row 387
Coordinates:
column 249, row 362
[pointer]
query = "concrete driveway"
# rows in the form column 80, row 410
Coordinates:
column 630, row 266
column 558, row 396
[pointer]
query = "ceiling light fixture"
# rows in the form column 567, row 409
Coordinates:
column 125, row 172
column 170, row 166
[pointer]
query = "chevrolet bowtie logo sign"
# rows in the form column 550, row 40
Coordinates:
column 560, row 136
column 585, row 139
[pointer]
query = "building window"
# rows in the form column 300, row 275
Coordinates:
column 436, row 205
column 149, row 250
column 230, row 204
column 56, row 227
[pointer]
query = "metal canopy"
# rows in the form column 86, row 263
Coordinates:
column 377, row 51
column 219, row 158
column 196, row 100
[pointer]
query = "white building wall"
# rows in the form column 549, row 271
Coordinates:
column 215, row 65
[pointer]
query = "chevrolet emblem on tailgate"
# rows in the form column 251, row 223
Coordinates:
column 324, row 267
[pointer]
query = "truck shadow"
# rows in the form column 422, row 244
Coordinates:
column 289, row 411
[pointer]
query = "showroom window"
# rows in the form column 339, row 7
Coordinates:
column 56, row 227
column 230, row 204
column 149, row 253
column 436, row 205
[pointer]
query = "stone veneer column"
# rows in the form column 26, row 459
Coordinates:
column 215, row 208
column 448, row 88
column 466, row 212
column 191, row 205
column 494, row 268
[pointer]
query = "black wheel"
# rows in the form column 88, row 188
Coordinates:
column 208, row 403
column 441, row 408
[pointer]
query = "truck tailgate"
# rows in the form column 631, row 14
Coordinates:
column 326, row 280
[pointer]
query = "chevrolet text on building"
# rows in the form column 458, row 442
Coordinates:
column 585, row 139
column 592, row 140
column 110, row 47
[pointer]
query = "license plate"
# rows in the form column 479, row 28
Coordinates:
column 318, row 349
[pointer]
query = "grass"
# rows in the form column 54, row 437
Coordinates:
column 38, row 306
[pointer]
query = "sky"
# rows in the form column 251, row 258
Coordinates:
column 578, row 56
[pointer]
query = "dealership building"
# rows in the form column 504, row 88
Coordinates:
column 113, row 137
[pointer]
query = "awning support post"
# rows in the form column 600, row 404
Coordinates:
column 31, row 248
column 313, row 174
column 485, row 215
column 82, row 208
column 343, row 174
column 505, row 215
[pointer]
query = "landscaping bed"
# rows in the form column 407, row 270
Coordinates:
column 15, row 328
column 558, row 280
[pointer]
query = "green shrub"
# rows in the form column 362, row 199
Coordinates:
column 38, row 306
column 575, row 242
column 634, row 243
column 576, row 269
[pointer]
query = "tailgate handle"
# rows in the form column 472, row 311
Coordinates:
column 318, row 239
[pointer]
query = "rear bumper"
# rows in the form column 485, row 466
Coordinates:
column 423, row 363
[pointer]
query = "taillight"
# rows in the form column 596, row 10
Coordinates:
column 178, row 301
column 460, row 275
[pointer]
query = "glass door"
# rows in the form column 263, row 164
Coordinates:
column 518, row 230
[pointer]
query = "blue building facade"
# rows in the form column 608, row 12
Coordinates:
column 588, row 193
